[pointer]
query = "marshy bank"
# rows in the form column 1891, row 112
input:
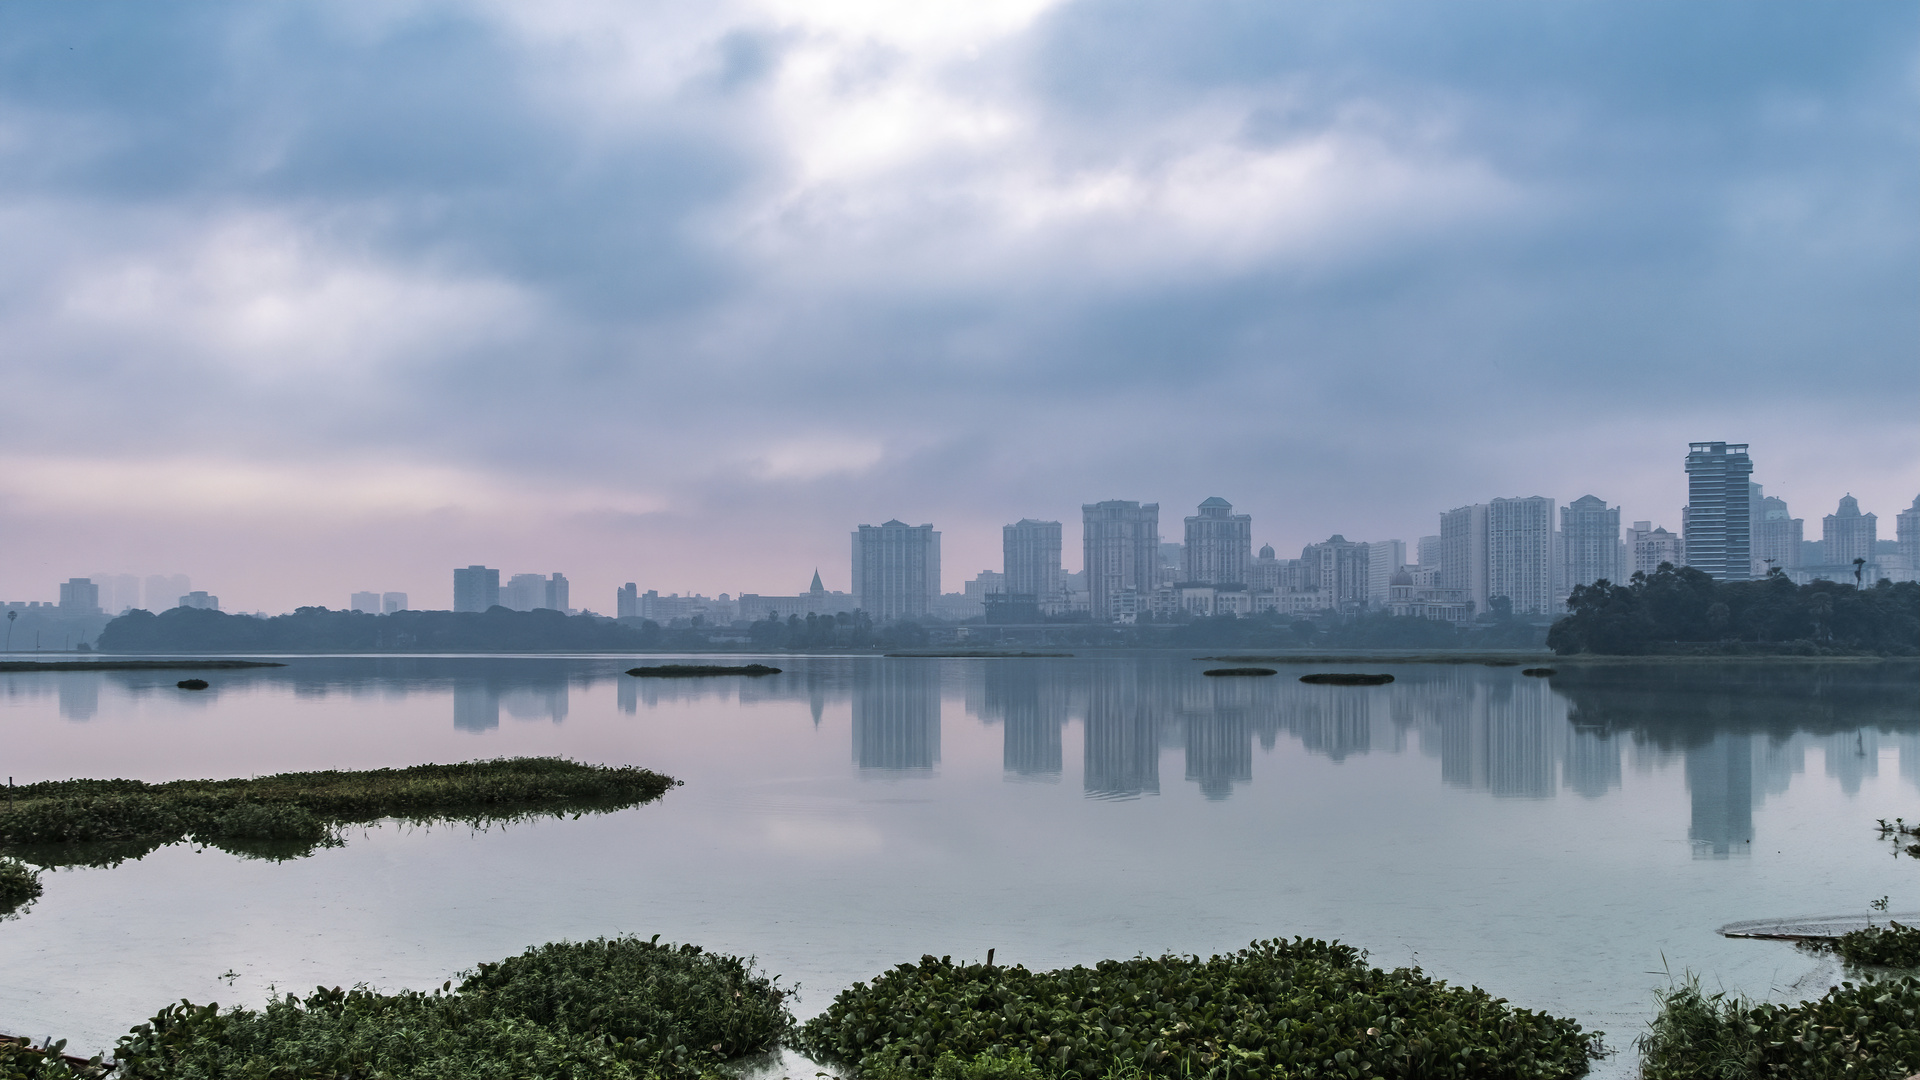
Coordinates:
column 103, row 822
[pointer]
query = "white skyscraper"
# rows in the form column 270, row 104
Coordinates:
column 1219, row 544
column 896, row 570
column 1520, row 554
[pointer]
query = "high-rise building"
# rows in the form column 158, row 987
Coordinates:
column 1463, row 553
column 557, row 592
column 118, row 592
column 1650, row 547
column 1427, row 550
column 524, row 592
column 896, row 570
column 1777, row 537
column 1847, row 534
column 1717, row 521
column 368, row 602
column 1337, row 567
column 1219, row 544
column 627, row 604
column 1030, row 558
column 1268, row 574
column 79, row 596
column 476, row 588
column 203, row 601
column 1121, row 542
column 165, row 590
column 1520, row 554
column 1907, row 535
column 1590, row 534
column 1384, row 560
column 391, row 602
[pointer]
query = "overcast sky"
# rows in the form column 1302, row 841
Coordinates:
column 306, row 298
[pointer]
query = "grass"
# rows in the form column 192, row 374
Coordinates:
column 1865, row 1031
column 619, row 1008
column 1276, row 1008
column 101, row 822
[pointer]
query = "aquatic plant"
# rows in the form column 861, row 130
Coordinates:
column 1240, row 671
column 614, row 1008
column 1895, row 945
column 1275, row 1008
column 685, row 671
column 1538, row 672
column 20, row 1061
column 19, row 887
column 101, row 822
column 192, row 684
column 1905, row 837
column 1865, row 1031
column 1345, row 678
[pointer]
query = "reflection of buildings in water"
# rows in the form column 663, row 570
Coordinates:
column 79, row 695
column 1219, row 751
column 536, row 702
column 1332, row 720
column 1853, row 756
column 1720, row 780
column 1023, row 698
column 1775, row 763
column 896, row 717
column 1503, row 737
column 1122, row 734
column 1592, row 765
column 1909, row 744
column 476, row 706
column 629, row 693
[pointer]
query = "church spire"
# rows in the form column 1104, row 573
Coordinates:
column 816, row 587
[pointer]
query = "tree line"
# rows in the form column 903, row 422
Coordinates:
column 1682, row 610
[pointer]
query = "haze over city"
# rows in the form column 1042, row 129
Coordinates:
column 319, row 298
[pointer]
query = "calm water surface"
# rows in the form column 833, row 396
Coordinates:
column 1560, row 842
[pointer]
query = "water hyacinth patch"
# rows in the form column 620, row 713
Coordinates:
column 1276, row 1008
column 1865, row 1031
column 19, row 886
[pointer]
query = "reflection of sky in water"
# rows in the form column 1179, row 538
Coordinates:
column 854, row 812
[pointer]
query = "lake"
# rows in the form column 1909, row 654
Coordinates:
column 1565, row 842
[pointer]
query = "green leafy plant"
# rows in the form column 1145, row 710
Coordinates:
column 1865, row 1031
column 1275, row 1008
column 19, row 887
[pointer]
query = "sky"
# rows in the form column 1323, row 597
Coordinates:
column 306, row 298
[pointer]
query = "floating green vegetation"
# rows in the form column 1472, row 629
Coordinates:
column 619, row 1008
column 1862, row 1031
column 1895, row 945
column 192, row 684
column 1538, row 672
column 19, row 888
column 1345, row 678
column 1240, row 671
column 687, row 671
column 1905, row 837
column 20, row 1061
column 1276, row 1008
column 101, row 822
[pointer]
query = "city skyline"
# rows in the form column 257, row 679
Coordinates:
column 685, row 302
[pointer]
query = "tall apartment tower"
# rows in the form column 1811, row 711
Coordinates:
column 367, row 602
column 1907, row 535
column 79, row 596
column 476, row 588
column 1847, row 534
column 1030, row 558
column 896, row 570
column 1337, row 567
column 1718, row 524
column 1777, row 536
column 1590, row 533
column 1219, row 544
column 626, row 605
column 1650, row 547
column 1122, row 549
column 1463, row 553
column 1520, row 554
column 1384, row 559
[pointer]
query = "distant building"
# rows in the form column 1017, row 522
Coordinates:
column 627, row 604
column 1121, row 550
column 164, row 591
column 896, row 570
column 1427, row 551
column 200, row 600
column 1590, row 532
column 476, row 588
column 1521, row 564
column 1717, row 523
column 1337, row 568
column 391, row 602
column 1030, row 558
column 1847, row 534
column 672, row 608
column 1417, row 594
column 1652, row 546
column 79, row 596
column 1778, row 537
column 119, row 593
column 1463, row 553
column 1219, row 545
column 1907, row 537
column 1384, row 560
column 1268, row 574
column 524, row 592
column 368, row 602
column 816, row 600
column 558, row 593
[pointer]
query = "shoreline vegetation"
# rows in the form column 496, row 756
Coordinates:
column 627, row 1009
column 100, row 823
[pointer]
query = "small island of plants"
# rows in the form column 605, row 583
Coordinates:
column 695, row 671
column 102, row 822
